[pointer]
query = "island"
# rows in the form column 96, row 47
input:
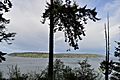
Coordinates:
column 56, row 55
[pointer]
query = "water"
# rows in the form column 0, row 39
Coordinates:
column 37, row 64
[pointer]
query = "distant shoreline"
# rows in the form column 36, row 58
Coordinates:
column 46, row 55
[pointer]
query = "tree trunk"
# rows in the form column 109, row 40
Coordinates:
column 106, row 66
column 107, row 49
column 51, row 43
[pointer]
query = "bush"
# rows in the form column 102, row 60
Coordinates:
column 85, row 72
column 15, row 74
column 61, row 72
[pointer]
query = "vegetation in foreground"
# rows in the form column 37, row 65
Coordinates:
column 115, row 75
column 5, row 6
column 46, row 55
column 61, row 72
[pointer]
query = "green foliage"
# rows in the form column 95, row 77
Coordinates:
column 15, row 74
column 2, row 58
column 5, row 5
column 103, row 67
column 116, row 64
column 117, row 50
column 69, row 18
column 85, row 72
column 62, row 72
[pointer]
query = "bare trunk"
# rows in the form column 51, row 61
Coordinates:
column 107, row 49
column 106, row 66
column 51, row 43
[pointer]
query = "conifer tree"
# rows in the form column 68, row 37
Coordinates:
column 69, row 18
column 5, row 6
column 116, row 64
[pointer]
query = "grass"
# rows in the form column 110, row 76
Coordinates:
column 46, row 55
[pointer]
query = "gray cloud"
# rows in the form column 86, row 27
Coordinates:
column 33, row 36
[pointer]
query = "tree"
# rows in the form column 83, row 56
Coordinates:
column 63, row 72
column 5, row 5
column 105, row 65
column 69, row 18
column 116, row 64
column 109, row 69
column 85, row 72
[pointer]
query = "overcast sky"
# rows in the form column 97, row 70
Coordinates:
column 31, row 35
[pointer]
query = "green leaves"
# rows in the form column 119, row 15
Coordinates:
column 63, row 72
column 70, row 18
column 103, row 67
column 85, row 72
column 5, row 5
column 116, row 64
column 117, row 50
column 1, row 56
column 4, row 34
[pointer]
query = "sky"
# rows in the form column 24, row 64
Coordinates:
column 33, row 36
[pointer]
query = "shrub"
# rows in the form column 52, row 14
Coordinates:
column 61, row 72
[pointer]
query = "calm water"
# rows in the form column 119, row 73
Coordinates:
column 38, row 64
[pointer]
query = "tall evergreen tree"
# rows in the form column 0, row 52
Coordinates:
column 116, row 64
column 5, row 6
column 69, row 18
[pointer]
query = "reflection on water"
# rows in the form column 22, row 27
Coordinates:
column 38, row 64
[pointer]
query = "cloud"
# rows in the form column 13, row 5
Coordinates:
column 33, row 36
column 114, row 9
column 25, row 21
